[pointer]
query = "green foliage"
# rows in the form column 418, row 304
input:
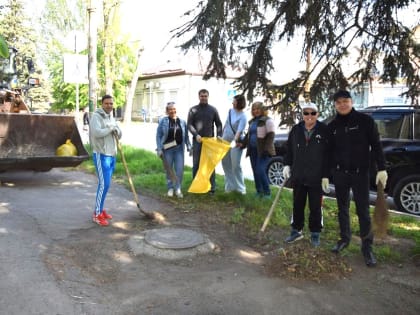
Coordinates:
column 240, row 34
column 62, row 18
column 4, row 49
column 16, row 33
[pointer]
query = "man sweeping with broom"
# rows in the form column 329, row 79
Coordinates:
column 354, row 138
column 102, row 129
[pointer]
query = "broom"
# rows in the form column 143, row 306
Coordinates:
column 380, row 214
column 152, row 215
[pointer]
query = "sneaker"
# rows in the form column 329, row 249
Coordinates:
column 106, row 215
column 170, row 192
column 295, row 235
column 179, row 194
column 315, row 239
column 99, row 219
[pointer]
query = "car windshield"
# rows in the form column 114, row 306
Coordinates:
column 390, row 125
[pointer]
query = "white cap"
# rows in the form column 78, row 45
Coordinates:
column 310, row 106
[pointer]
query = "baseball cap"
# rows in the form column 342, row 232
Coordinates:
column 309, row 106
column 341, row 94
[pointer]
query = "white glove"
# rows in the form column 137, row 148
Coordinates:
column 198, row 138
column 325, row 184
column 110, row 124
column 382, row 177
column 286, row 172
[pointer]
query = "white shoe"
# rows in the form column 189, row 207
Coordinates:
column 170, row 192
column 179, row 193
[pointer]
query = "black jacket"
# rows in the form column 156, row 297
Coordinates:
column 201, row 121
column 353, row 138
column 308, row 158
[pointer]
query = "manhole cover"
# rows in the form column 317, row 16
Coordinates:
column 170, row 238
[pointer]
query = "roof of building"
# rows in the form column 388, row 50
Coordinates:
column 191, row 64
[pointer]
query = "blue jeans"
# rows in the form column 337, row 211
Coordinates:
column 104, row 165
column 259, row 166
column 175, row 159
column 234, row 178
column 196, row 163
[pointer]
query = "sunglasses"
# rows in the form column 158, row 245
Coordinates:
column 310, row 113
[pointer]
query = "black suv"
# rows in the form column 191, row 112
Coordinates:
column 399, row 127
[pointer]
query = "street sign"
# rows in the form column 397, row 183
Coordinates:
column 76, row 68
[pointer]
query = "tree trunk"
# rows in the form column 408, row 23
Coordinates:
column 132, row 90
column 93, row 33
column 108, row 39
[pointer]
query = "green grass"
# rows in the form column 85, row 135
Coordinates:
column 249, row 211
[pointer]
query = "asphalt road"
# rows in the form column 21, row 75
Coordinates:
column 55, row 260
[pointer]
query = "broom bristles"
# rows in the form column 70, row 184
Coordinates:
column 381, row 214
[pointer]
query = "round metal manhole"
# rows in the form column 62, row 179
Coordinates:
column 171, row 238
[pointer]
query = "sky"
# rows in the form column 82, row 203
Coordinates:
column 151, row 22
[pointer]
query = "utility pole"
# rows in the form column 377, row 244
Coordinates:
column 132, row 89
column 93, row 40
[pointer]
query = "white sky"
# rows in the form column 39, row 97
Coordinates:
column 151, row 22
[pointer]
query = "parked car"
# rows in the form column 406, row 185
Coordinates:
column 399, row 127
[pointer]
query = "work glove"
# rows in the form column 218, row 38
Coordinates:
column 110, row 125
column 382, row 177
column 325, row 184
column 286, row 172
column 159, row 153
column 198, row 138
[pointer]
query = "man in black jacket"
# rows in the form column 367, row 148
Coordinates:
column 354, row 137
column 202, row 119
column 306, row 163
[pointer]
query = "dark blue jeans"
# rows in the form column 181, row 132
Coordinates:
column 196, row 164
column 259, row 166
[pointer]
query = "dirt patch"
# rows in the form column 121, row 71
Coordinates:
column 302, row 261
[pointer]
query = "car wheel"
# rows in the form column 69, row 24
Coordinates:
column 275, row 172
column 407, row 194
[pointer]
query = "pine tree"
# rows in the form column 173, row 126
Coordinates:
column 240, row 34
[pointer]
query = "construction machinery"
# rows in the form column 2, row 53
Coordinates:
column 29, row 141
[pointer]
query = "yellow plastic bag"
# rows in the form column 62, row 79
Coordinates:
column 67, row 149
column 212, row 152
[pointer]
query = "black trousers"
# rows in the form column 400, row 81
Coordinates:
column 358, row 182
column 314, row 195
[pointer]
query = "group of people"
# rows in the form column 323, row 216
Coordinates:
column 172, row 138
column 341, row 150
column 316, row 152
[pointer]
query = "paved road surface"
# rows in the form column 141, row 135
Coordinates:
column 55, row 260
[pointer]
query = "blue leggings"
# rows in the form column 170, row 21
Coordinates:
column 104, row 165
